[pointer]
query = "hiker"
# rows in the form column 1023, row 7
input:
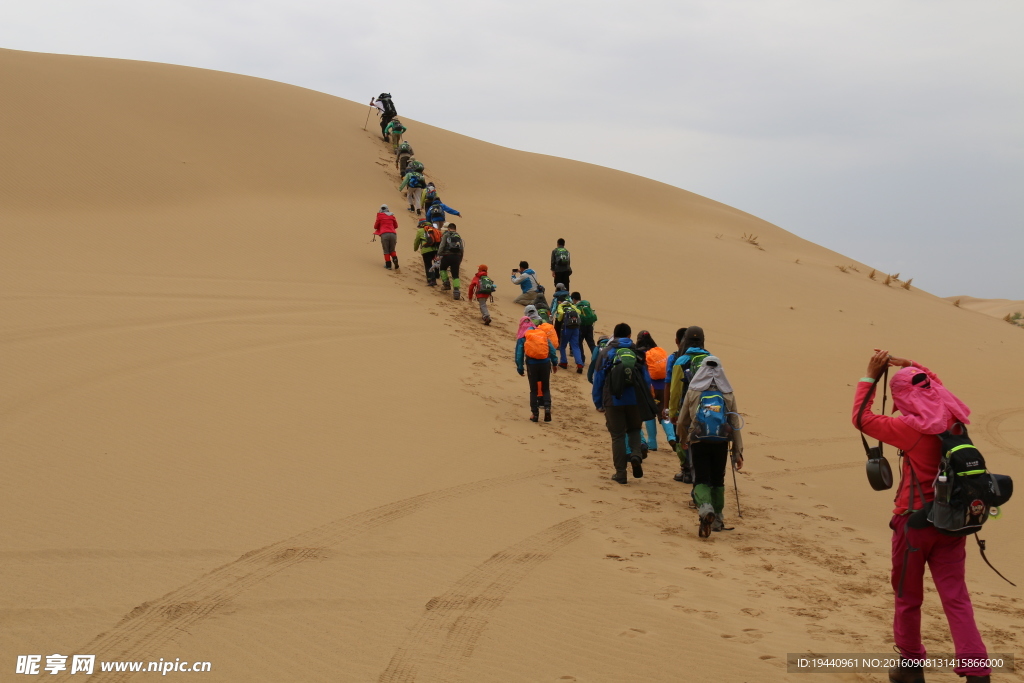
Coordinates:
column 526, row 278
column 601, row 343
column 560, row 269
column 405, row 154
column 387, row 111
column 621, row 392
column 386, row 227
column 927, row 408
column 684, row 364
column 656, row 359
column 413, row 182
column 561, row 294
column 428, row 239
column 587, row 319
column 540, row 323
column 483, row 287
column 535, row 350
column 450, row 253
column 710, row 421
column 394, row 131
column 568, row 318
column 437, row 210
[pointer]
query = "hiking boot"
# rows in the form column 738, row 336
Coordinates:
column 979, row 679
column 487, row 321
column 534, row 416
column 445, row 285
column 619, row 477
column 564, row 366
column 680, row 476
column 719, row 524
column 643, row 450
column 411, row 209
column 672, row 444
column 579, row 369
column 456, row 295
column 419, row 212
column 431, row 282
column 707, row 518
column 638, row 468
column 387, row 264
column 395, row 260
column 547, row 414
column 906, row 674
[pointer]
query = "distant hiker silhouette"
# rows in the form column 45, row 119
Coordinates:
column 386, row 227
column 561, row 270
column 387, row 111
column 535, row 358
column 483, row 288
column 708, row 422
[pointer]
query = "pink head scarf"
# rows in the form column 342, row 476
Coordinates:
column 928, row 406
column 525, row 323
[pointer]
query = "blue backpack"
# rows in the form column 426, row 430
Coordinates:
column 712, row 420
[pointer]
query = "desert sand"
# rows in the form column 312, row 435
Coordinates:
column 230, row 435
column 999, row 308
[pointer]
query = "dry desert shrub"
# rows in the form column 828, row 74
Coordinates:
column 957, row 303
column 887, row 281
column 752, row 239
column 872, row 274
column 854, row 268
column 906, row 285
column 843, row 269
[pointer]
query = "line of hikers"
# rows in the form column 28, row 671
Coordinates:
column 638, row 385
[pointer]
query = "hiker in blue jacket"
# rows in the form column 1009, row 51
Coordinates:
column 626, row 412
column 526, row 278
column 435, row 213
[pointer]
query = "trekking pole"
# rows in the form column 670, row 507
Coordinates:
column 732, row 457
column 367, row 122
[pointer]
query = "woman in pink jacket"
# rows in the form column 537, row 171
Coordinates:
column 926, row 408
column 385, row 227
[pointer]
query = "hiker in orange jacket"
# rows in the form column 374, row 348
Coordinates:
column 483, row 287
column 386, row 227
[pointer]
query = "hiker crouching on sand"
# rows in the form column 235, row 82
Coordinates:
column 483, row 287
column 710, row 421
column 450, row 253
column 535, row 358
column 526, row 278
column 622, row 392
column 927, row 409
column 385, row 227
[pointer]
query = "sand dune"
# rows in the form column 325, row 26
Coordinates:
column 999, row 308
column 231, row 436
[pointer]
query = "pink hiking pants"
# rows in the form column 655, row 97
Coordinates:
column 945, row 556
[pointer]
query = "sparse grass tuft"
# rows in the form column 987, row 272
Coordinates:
column 854, row 268
column 887, row 281
column 843, row 269
column 906, row 285
column 957, row 303
column 752, row 239
column 872, row 274
column 896, row 277
column 1015, row 319
column 797, row 262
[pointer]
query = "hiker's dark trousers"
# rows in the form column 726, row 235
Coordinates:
column 428, row 261
column 563, row 278
column 709, row 460
column 539, row 375
column 586, row 337
column 451, row 263
column 623, row 423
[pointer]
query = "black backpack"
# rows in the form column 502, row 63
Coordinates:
column 454, row 241
column 966, row 493
column 571, row 317
column 435, row 212
column 389, row 106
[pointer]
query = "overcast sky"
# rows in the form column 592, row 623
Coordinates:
column 889, row 130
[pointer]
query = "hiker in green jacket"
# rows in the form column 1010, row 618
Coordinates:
column 394, row 131
column 428, row 239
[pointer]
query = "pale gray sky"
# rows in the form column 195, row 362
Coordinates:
column 889, row 130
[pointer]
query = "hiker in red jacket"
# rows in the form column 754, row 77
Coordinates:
column 483, row 287
column 386, row 227
column 927, row 409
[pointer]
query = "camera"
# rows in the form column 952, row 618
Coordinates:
column 878, row 470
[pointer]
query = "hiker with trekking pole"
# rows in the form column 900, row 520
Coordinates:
column 945, row 493
column 708, row 422
column 387, row 111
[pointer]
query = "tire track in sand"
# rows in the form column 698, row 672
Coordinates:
column 152, row 624
column 991, row 425
column 447, row 632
